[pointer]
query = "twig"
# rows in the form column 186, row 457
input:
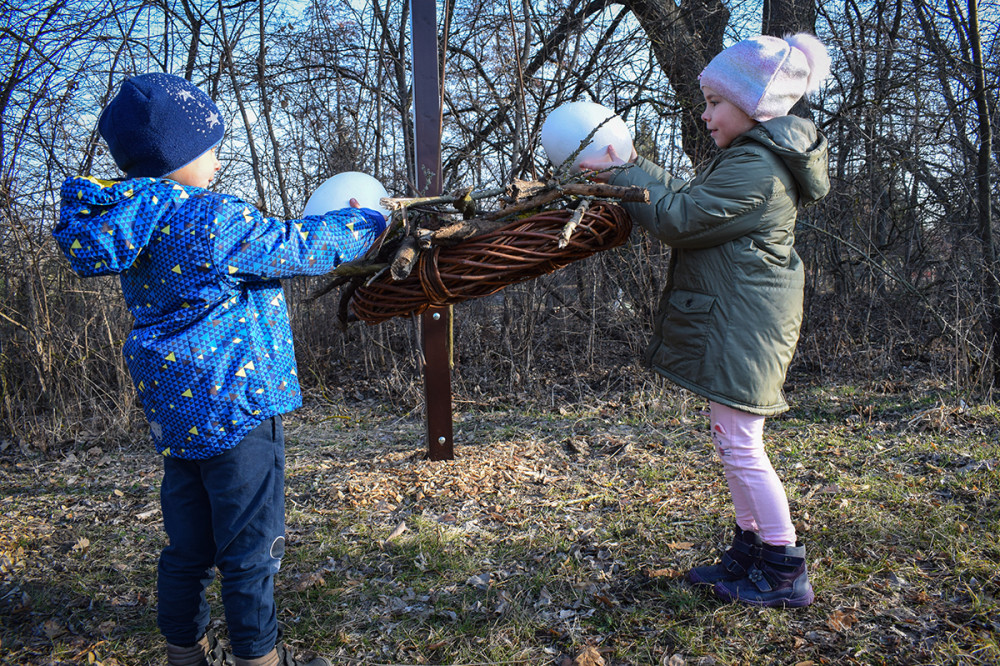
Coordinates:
column 594, row 190
column 328, row 287
column 406, row 258
column 570, row 226
column 522, row 189
column 356, row 268
column 402, row 203
column 344, row 273
column 627, row 193
column 563, row 168
column 454, row 233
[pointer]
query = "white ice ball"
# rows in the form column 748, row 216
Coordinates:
column 337, row 191
column 570, row 124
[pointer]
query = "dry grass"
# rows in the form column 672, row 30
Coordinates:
column 557, row 534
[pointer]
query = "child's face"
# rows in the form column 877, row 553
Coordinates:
column 725, row 120
column 198, row 173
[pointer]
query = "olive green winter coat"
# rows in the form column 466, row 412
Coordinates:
column 730, row 313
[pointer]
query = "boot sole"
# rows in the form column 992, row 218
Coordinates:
column 698, row 581
column 791, row 602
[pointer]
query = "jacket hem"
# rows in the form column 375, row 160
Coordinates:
column 760, row 410
column 204, row 453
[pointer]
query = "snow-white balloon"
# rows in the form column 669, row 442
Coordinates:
column 569, row 124
column 337, row 191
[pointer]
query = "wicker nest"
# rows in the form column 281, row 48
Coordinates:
column 485, row 264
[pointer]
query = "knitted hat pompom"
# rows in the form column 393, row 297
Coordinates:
column 816, row 55
column 158, row 123
column 765, row 76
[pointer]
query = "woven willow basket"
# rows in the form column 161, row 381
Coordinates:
column 485, row 264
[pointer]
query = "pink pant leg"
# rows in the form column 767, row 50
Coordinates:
column 758, row 495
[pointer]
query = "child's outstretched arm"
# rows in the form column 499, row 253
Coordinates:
column 710, row 212
column 250, row 247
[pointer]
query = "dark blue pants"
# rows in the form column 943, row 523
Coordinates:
column 227, row 512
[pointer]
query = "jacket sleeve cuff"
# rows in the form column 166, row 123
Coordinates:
column 376, row 218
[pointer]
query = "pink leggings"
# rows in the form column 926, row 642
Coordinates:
column 758, row 496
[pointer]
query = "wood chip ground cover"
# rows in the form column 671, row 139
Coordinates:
column 556, row 536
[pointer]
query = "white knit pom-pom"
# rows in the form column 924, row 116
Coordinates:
column 816, row 55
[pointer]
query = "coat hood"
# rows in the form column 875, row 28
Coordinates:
column 802, row 148
column 96, row 243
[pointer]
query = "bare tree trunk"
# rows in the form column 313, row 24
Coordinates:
column 991, row 287
column 194, row 24
column 396, row 51
column 783, row 17
column 266, row 106
column 787, row 17
column 227, row 53
column 685, row 37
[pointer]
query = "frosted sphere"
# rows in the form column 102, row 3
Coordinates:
column 570, row 124
column 337, row 191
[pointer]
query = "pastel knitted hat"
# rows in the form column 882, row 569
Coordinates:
column 158, row 123
column 765, row 76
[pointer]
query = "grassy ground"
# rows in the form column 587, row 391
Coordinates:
column 559, row 535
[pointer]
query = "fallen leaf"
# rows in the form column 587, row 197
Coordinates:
column 53, row 628
column 396, row 532
column 680, row 545
column 480, row 582
column 307, row 581
column 839, row 620
column 589, row 657
column 607, row 601
column 82, row 544
column 664, row 573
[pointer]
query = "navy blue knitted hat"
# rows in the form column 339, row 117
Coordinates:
column 158, row 123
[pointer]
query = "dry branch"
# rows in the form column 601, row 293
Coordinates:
column 406, row 257
column 570, row 227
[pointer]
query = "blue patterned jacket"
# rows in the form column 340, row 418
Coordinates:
column 210, row 350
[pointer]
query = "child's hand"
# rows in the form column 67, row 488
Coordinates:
column 353, row 203
column 600, row 165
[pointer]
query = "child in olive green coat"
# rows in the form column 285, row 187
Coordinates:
column 730, row 313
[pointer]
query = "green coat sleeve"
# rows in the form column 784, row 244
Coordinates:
column 712, row 209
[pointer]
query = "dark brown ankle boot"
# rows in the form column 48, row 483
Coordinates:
column 735, row 562
column 281, row 656
column 777, row 578
column 206, row 652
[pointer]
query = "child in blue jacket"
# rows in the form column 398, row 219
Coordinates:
column 210, row 351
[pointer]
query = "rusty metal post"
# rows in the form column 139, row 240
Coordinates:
column 435, row 322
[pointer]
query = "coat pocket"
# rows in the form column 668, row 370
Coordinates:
column 686, row 322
